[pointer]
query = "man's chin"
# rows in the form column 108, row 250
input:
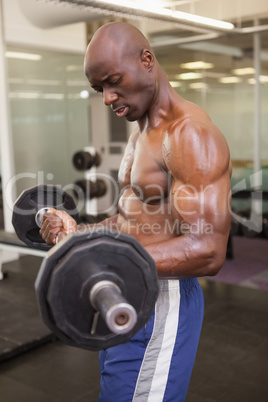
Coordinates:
column 131, row 118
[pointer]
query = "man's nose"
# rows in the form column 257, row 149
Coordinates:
column 109, row 96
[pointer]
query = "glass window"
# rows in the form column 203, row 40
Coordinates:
column 218, row 75
column 48, row 95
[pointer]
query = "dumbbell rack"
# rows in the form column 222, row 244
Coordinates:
column 87, row 161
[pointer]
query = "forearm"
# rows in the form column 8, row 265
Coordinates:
column 189, row 256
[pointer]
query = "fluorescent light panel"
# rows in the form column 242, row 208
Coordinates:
column 175, row 84
column 197, row 65
column 53, row 96
column 181, row 16
column 35, row 95
column 77, row 83
column 73, row 67
column 198, row 85
column 15, row 80
column 244, row 71
column 43, row 82
column 263, row 80
column 215, row 48
column 189, row 76
column 24, row 95
column 229, row 80
column 23, row 56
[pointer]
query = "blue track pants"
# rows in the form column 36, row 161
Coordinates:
column 156, row 364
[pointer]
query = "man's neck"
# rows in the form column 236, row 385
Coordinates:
column 163, row 106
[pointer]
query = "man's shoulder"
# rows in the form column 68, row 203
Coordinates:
column 194, row 143
column 191, row 124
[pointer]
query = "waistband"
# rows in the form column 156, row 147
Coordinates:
column 187, row 283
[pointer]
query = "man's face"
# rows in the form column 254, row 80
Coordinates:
column 125, row 82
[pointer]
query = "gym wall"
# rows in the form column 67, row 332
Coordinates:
column 50, row 120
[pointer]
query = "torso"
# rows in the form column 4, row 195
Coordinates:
column 144, row 207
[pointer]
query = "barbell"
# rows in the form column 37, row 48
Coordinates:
column 95, row 289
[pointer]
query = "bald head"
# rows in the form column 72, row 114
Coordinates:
column 122, row 35
column 115, row 40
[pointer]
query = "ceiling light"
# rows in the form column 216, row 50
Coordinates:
column 244, row 71
column 84, row 94
column 229, row 80
column 263, row 80
column 203, row 20
column 53, row 96
column 189, row 76
column 216, row 48
column 165, row 12
column 73, row 96
column 35, row 95
column 24, row 95
column 198, row 85
column 73, row 67
column 15, row 80
column 23, row 56
column 175, row 84
column 43, row 82
column 197, row 65
column 77, row 83
column 214, row 74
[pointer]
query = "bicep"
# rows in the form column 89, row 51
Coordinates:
column 198, row 159
column 202, row 207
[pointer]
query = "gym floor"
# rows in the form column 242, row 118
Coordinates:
column 231, row 363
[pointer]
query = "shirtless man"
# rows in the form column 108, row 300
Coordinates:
column 175, row 181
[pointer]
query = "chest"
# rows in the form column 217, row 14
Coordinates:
column 143, row 168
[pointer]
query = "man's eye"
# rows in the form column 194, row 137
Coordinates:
column 116, row 82
column 97, row 89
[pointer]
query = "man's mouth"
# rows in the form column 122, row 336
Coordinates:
column 121, row 111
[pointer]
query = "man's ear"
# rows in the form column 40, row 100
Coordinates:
column 147, row 58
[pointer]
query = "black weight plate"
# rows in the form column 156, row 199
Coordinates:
column 31, row 201
column 101, row 188
column 64, row 278
column 64, row 293
column 91, row 189
column 83, row 160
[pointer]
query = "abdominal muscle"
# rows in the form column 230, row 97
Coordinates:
column 149, row 223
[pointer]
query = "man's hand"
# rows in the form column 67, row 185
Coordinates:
column 56, row 225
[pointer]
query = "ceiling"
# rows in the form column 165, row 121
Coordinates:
column 226, row 53
column 175, row 42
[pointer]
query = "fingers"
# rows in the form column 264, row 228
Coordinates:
column 68, row 223
column 60, row 236
column 51, row 226
column 56, row 225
